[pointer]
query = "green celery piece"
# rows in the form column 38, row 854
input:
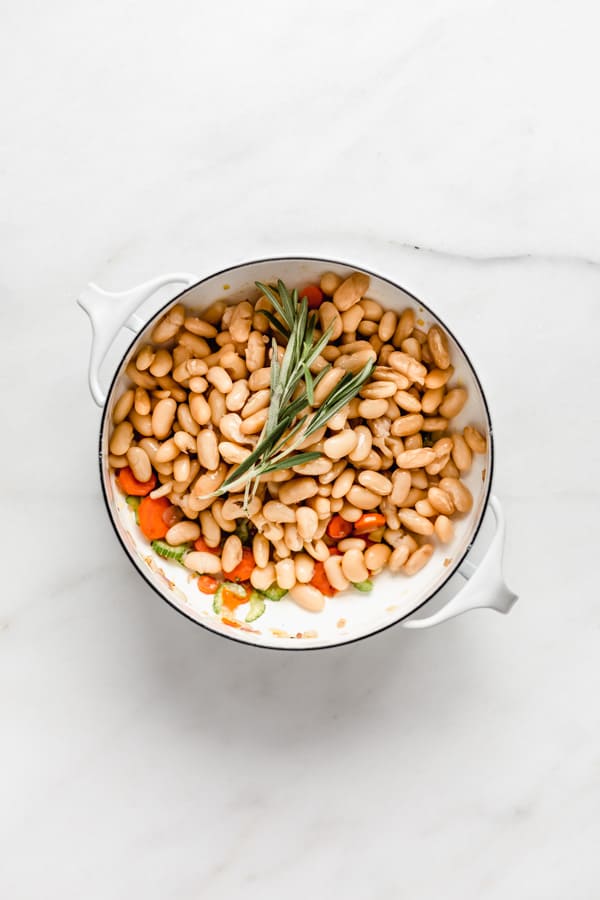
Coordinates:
column 167, row 552
column 364, row 586
column 274, row 592
column 257, row 606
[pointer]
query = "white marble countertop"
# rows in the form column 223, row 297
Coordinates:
column 453, row 146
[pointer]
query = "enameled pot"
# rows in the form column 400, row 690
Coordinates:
column 348, row 616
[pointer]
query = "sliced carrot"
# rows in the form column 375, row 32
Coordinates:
column 338, row 528
column 335, row 551
column 243, row 570
column 313, row 294
column 131, row 486
column 200, row 544
column 207, row 584
column 233, row 622
column 321, row 582
column 150, row 515
column 368, row 522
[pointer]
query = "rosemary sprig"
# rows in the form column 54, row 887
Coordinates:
column 288, row 425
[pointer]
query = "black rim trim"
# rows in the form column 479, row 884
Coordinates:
column 362, row 637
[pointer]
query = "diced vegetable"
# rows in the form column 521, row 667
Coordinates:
column 313, row 294
column 207, row 584
column 321, row 582
column 229, row 594
column 200, row 544
column 242, row 530
column 130, row 485
column 243, row 570
column 165, row 550
column 151, row 519
column 364, row 586
column 134, row 503
column 338, row 528
column 257, row 606
column 368, row 522
column 274, row 592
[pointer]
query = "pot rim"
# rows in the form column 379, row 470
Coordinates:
column 301, row 646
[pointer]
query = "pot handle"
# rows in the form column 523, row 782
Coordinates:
column 109, row 312
column 485, row 586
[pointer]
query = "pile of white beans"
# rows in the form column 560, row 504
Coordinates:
column 199, row 400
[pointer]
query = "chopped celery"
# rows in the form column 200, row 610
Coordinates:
column 257, row 606
column 364, row 586
column 134, row 503
column 274, row 592
column 243, row 531
column 236, row 589
column 218, row 600
column 165, row 550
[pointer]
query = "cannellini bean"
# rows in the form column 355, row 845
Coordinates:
column 411, row 519
column 412, row 347
column 282, row 551
column 117, row 462
column 461, row 453
column 318, row 549
column 401, row 484
column 163, row 416
column 398, row 557
column 181, row 467
column 475, row 440
column 366, row 327
column 414, row 495
column 372, row 409
column 142, row 401
column 218, row 377
column 202, row 562
column 182, row 532
column 431, row 400
column 387, row 325
column 438, row 345
column 308, row 597
column 351, row 544
column 225, row 524
column 167, row 327
column 406, row 365
column 377, row 557
column 167, row 452
column 363, row 445
column 453, row 403
column 233, row 453
column 351, row 290
column 444, row 529
column 440, row 500
column 418, row 559
column 214, row 312
column 161, row 364
column 262, row 578
column 163, row 491
column 274, row 511
column 292, row 538
column 352, row 318
column 437, row 378
column 285, row 573
column 350, row 513
column 139, row 463
column 362, row 498
column 297, row 490
column 376, row 390
column 407, row 401
column 372, row 310
column 260, row 379
column 407, row 425
column 273, row 532
column 317, row 467
column 186, row 420
column 241, row 322
column 448, row 470
column 375, row 482
column 353, row 566
column 413, row 442
column 307, row 521
column 304, row 567
column 405, row 326
column 211, row 532
column 343, row 483
column 390, row 512
column 355, row 361
column 216, row 402
column 327, row 384
column 329, row 283
column 124, row 405
column 231, row 555
column 184, row 442
column 341, row 444
column 253, row 424
column 330, row 318
column 210, row 481
column 460, row 493
column 255, row 352
column 238, row 395
column 260, row 550
column 200, row 327
column 424, row 508
column 257, row 401
column 335, row 575
column 121, row 439
column 413, row 459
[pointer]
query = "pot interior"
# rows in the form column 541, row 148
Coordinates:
column 349, row 615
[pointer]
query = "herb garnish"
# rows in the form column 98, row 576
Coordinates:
column 287, row 425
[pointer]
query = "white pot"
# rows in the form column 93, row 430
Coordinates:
column 348, row 616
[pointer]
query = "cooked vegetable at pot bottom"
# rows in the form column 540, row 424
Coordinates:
column 293, row 445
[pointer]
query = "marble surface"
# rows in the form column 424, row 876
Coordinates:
column 453, row 146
